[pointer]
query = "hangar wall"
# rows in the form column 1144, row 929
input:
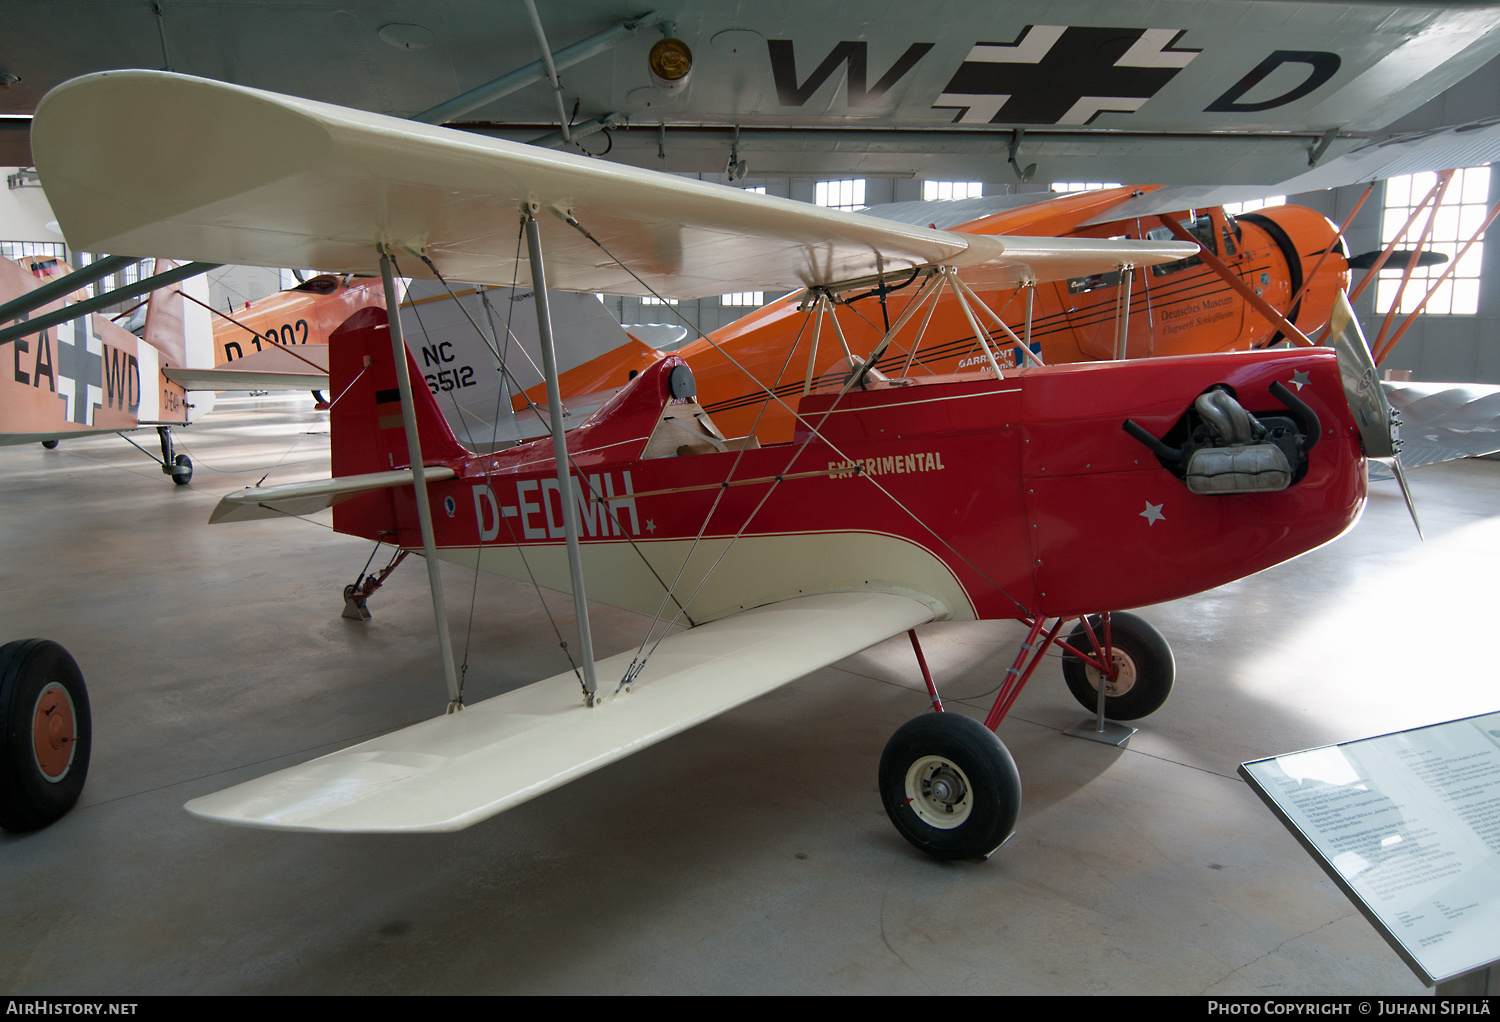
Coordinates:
column 1437, row 348
column 1456, row 349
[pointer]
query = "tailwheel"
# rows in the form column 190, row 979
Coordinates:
column 950, row 786
column 51, row 445
column 1144, row 668
column 45, row 733
column 178, row 466
column 356, row 604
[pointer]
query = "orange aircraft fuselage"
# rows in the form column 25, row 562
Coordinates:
column 305, row 314
column 1175, row 309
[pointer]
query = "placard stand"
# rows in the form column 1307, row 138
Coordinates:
column 1408, row 826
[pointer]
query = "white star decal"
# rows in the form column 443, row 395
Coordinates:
column 1153, row 514
column 650, row 525
column 1300, row 380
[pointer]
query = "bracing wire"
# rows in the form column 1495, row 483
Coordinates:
column 489, row 476
column 814, row 432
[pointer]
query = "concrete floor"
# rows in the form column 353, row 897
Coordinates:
column 749, row 855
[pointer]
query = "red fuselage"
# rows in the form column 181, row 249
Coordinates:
column 993, row 498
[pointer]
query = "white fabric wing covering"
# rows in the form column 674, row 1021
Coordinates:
column 147, row 162
column 452, row 771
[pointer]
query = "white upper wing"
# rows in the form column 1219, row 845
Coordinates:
column 156, row 163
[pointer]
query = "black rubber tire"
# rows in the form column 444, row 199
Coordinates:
column 29, row 799
column 51, row 445
column 182, row 461
column 938, row 742
column 1143, row 649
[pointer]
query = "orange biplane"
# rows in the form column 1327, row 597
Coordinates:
column 1289, row 257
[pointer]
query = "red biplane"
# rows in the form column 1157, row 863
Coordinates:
column 1055, row 495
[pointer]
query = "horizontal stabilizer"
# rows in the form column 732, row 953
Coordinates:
column 454, row 771
column 304, row 498
column 242, row 379
column 275, row 368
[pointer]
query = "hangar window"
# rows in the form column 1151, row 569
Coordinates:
column 653, row 300
column 943, row 190
column 1462, row 210
column 1251, row 205
column 848, row 195
column 18, row 251
column 751, row 298
column 1083, row 186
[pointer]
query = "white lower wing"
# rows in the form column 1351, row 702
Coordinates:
column 453, row 771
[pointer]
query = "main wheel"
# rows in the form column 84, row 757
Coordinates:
column 1147, row 668
column 182, row 470
column 51, row 445
column 46, row 736
column 950, row 786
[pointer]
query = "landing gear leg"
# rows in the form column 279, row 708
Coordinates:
column 1142, row 668
column 1120, row 667
column 178, row 466
column 357, row 596
column 947, row 781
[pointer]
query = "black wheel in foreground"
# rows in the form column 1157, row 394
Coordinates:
column 46, row 736
column 950, row 786
column 51, row 445
column 1147, row 668
column 182, row 470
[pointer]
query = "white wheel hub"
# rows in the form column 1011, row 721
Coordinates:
column 939, row 792
column 1125, row 676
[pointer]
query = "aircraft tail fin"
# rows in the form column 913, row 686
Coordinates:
column 166, row 321
column 367, row 430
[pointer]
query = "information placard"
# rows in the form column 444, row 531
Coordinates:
column 1408, row 825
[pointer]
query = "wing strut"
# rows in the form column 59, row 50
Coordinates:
column 419, row 480
column 560, row 452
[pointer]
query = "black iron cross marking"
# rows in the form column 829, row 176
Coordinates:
column 1052, row 74
column 81, row 367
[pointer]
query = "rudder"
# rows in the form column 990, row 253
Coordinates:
column 365, row 423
